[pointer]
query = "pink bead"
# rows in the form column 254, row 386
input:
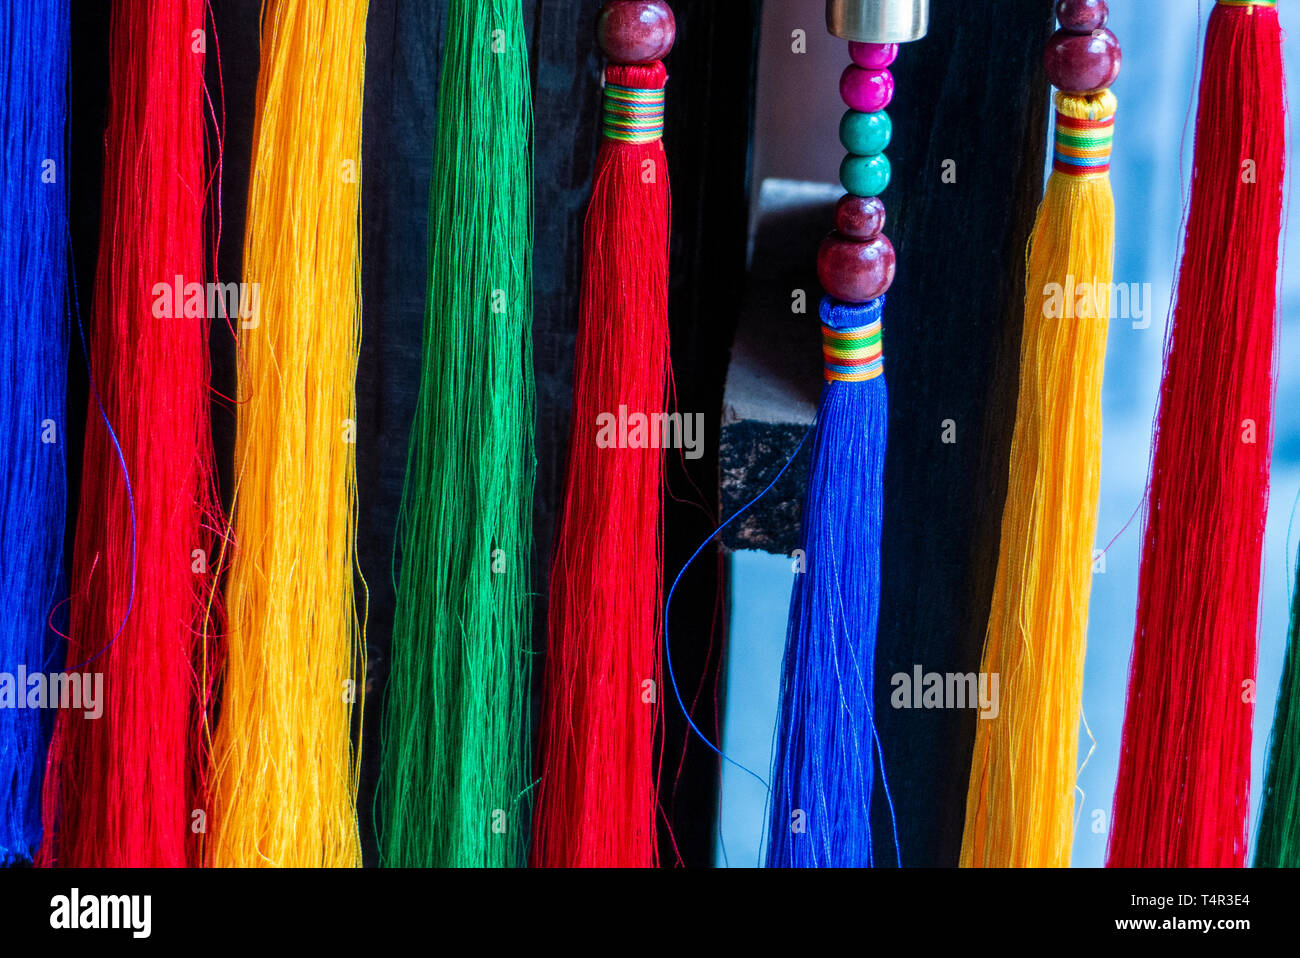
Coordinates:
column 859, row 217
column 856, row 271
column 866, row 90
column 873, row 56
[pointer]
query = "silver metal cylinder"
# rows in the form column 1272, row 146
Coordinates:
column 878, row 21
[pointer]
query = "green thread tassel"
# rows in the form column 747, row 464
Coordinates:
column 1278, row 843
column 456, row 736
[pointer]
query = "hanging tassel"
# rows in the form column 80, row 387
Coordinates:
column 596, row 800
column 455, row 761
column 1182, row 797
column 285, row 775
column 1020, row 803
column 123, row 785
column 33, row 384
column 1278, row 843
column 826, row 750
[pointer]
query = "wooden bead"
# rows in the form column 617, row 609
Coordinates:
column 859, row 217
column 865, row 133
column 1082, row 16
column 636, row 31
column 873, row 56
column 867, row 91
column 855, row 271
column 1082, row 63
column 865, row 175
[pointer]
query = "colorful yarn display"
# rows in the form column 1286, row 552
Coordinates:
column 122, row 788
column 596, row 798
column 214, row 666
column 285, row 773
column 1182, row 796
column 1277, row 844
column 455, row 751
column 824, row 768
column 33, row 387
column 1020, row 802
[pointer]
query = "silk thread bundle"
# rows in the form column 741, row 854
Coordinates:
column 122, row 788
column 596, row 798
column 285, row 772
column 455, row 749
column 1020, row 801
column 1182, row 795
column 33, row 384
column 1277, row 844
column 824, row 771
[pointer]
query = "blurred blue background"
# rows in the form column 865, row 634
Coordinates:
column 1162, row 45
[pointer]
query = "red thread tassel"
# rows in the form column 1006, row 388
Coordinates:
column 1182, row 798
column 597, row 798
column 122, row 788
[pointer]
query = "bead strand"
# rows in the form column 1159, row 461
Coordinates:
column 856, row 262
column 1082, row 57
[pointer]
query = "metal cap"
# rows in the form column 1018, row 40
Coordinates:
column 878, row 21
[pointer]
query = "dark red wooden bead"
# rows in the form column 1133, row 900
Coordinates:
column 1082, row 16
column 1082, row 63
column 859, row 217
column 636, row 31
column 855, row 271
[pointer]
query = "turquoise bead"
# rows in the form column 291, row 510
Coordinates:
column 866, row 134
column 865, row 175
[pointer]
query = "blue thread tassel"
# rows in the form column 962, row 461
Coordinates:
column 33, row 385
column 826, row 746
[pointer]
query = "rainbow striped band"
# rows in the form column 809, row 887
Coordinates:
column 633, row 114
column 852, row 355
column 1083, row 146
column 1247, row 3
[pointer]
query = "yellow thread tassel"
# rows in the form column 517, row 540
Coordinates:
column 285, row 781
column 1020, row 805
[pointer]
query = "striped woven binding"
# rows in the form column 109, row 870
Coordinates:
column 851, row 340
column 853, row 355
column 633, row 114
column 1083, row 146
